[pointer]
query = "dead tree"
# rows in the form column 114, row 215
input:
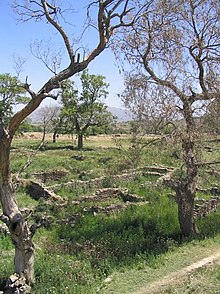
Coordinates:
column 176, row 47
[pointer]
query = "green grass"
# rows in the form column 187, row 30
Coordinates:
column 101, row 245
column 63, row 274
column 203, row 281
column 209, row 226
column 131, row 280
column 136, row 246
column 25, row 200
column 7, row 255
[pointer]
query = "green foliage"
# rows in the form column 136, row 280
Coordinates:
column 11, row 94
column 5, row 243
column 82, row 110
column 6, row 252
column 25, row 127
column 24, row 200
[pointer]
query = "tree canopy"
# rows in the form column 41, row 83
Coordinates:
column 11, row 94
column 84, row 109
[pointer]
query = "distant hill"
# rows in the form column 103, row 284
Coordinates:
column 35, row 117
column 122, row 115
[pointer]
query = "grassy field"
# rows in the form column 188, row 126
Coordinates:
column 82, row 252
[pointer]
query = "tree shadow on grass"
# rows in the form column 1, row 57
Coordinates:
column 3, row 282
column 118, row 240
column 48, row 147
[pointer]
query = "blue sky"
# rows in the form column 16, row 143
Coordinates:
column 16, row 38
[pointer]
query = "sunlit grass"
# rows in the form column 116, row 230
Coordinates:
column 76, row 257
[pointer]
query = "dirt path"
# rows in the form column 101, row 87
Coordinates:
column 179, row 276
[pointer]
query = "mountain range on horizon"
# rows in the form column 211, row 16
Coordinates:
column 122, row 114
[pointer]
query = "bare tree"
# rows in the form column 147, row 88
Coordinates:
column 149, row 102
column 111, row 15
column 175, row 45
column 48, row 116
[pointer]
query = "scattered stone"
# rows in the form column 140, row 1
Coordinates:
column 131, row 197
column 158, row 169
column 99, row 182
column 53, row 175
column 207, row 207
column 13, row 278
column 110, row 193
column 108, row 279
column 4, row 230
column 151, row 173
column 16, row 284
column 37, row 191
column 78, row 157
column 212, row 190
column 111, row 208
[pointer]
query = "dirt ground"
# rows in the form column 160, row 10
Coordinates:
column 38, row 136
column 179, row 276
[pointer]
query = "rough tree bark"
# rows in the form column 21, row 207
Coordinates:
column 186, row 218
column 80, row 141
column 17, row 225
column 186, row 187
column 185, row 195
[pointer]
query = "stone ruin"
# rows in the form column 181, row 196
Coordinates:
column 38, row 190
column 16, row 284
column 53, row 175
column 206, row 207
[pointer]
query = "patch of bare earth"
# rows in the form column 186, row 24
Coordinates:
column 179, row 276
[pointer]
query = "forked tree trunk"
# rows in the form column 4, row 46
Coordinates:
column 18, row 227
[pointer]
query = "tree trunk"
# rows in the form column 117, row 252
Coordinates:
column 18, row 227
column 186, row 187
column 54, row 136
column 185, row 201
column 80, row 142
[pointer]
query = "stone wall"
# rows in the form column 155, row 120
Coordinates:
column 207, row 207
column 103, row 181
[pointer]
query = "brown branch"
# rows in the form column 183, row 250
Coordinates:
column 59, row 29
column 199, row 62
column 165, row 83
